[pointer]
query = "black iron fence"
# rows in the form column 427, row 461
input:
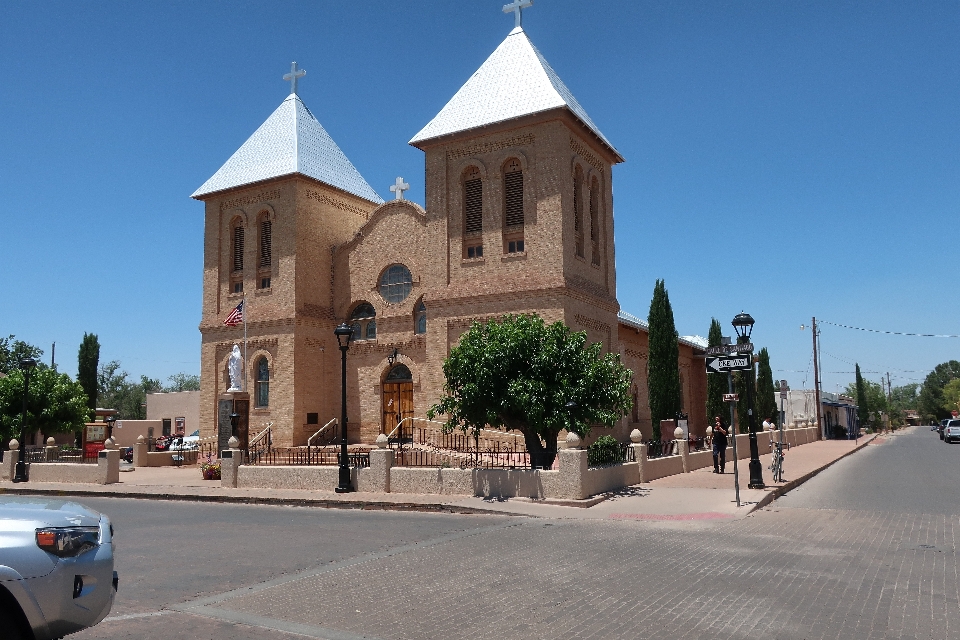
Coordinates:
column 661, row 448
column 496, row 456
column 293, row 456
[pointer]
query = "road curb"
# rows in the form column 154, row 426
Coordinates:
column 322, row 503
column 793, row 484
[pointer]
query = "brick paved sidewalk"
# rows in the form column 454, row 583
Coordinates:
column 696, row 497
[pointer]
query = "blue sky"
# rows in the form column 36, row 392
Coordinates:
column 786, row 159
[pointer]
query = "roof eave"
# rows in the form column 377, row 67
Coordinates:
column 292, row 174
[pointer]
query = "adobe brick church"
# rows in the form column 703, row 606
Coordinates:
column 518, row 219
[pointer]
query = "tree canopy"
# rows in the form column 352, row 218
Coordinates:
column 12, row 351
column 663, row 360
column 87, row 361
column 863, row 405
column 55, row 403
column 766, row 395
column 128, row 397
column 930, row 403
column 951, row 395
column 520, row 373
column 716, row 383
column 876, row 401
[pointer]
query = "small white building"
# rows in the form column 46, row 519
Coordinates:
column 177, row 411
column 800, row 409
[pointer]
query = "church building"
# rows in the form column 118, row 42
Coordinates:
column 518, row 218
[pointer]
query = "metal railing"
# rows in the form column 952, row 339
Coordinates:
column 300, row 456
column 334, row 421
column 610, row 456
column 260, row 445
column 661, row 448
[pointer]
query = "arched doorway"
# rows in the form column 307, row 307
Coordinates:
column 397, row 402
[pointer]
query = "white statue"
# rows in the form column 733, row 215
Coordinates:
column 235, row 366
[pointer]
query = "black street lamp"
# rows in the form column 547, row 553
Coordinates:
column 344, row 333
column 110, row 422
column 743, row 325
column 20, row 475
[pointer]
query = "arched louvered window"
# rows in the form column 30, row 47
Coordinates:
column 364, row 322
column 595, row 221
column 263, row 383
column 266, row 242
column 513, row 206
column 472, row 213
column 238, row 247
column 578, row 210
column 420, row 318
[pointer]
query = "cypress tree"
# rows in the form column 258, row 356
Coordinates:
column 663, row 377
column 863, row 410
column 766, row 402
column 87, row 362
column 740, row 381
column 716, row 382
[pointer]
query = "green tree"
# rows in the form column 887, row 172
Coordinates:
column 183, row 382
column 716, row 383
column 951, row 395
column 930, row 401
column 118, row 392
column 663, row 360
column 766, row 395
column 863, row 407
column 520, row 373
column 13, row 351
column 876, row 401
column 87, row 361
column 55, row 403
column 740, row 381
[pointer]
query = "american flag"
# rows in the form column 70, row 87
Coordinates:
column 236, row 316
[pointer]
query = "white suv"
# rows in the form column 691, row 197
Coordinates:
column 951, row 431
column 56, row 567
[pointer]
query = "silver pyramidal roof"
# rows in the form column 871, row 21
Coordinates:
column 514, row 81
column 290, row 141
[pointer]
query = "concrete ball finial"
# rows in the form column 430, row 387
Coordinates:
column 233, row 443
column 573, row 441
column 51, row 442
column 14, row 444
column 382, row 441
column 109, row 443
column 636, row 436
column 709, row 432
column 141, row 439
column 678, row 433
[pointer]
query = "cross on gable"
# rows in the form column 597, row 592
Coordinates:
column 293, row 75
column 399, row 188
column 517, row 6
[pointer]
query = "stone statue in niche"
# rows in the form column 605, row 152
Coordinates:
column 235, row 366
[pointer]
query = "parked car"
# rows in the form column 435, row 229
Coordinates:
column 941, row 426
column 951, row 431
column 56, row 567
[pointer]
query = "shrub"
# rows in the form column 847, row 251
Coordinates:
column 606, row 450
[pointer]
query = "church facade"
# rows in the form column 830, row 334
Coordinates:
column 518, row 218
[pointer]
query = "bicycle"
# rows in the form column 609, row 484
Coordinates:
column 776, row 465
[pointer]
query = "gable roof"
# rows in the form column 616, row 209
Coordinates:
column 290, row 141
column 515, row 81
column 697, row 342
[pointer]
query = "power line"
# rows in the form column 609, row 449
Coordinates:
column 892, row 333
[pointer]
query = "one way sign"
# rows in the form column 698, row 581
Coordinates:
column 730, row 363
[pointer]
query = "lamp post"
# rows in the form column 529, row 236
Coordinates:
column 20, row 475
column 344, row 333
column 743, row 325
column 111, row 420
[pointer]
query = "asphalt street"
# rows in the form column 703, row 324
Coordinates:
column 864, row 550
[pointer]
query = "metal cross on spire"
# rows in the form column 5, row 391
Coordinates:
column 517, row 6
column 399, row 188
column 293, row 75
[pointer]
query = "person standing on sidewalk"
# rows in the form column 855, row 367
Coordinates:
column 719, row 445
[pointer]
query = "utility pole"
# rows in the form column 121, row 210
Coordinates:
column 816, row 379
column 53, row 356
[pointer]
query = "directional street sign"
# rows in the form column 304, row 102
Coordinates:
column 722, row 364
column 731, row 397
column 724, row 349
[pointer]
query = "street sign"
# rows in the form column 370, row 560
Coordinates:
column 783, row 389
column 723, row 364
column 731, row 397
column 730, row 348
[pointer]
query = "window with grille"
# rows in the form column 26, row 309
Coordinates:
column 420, row 318
column 395, row 283
column 266, row 239
column 513, row 194
column 238, row 248
column 472, row 201
column 263, row 383
column 578, row 210
column 595, row 220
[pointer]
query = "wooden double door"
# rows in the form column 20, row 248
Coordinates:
column 397, row 405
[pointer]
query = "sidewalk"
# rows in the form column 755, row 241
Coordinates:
column 693, row 498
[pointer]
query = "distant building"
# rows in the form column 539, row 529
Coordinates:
column 177, row 411
column 800, row 408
